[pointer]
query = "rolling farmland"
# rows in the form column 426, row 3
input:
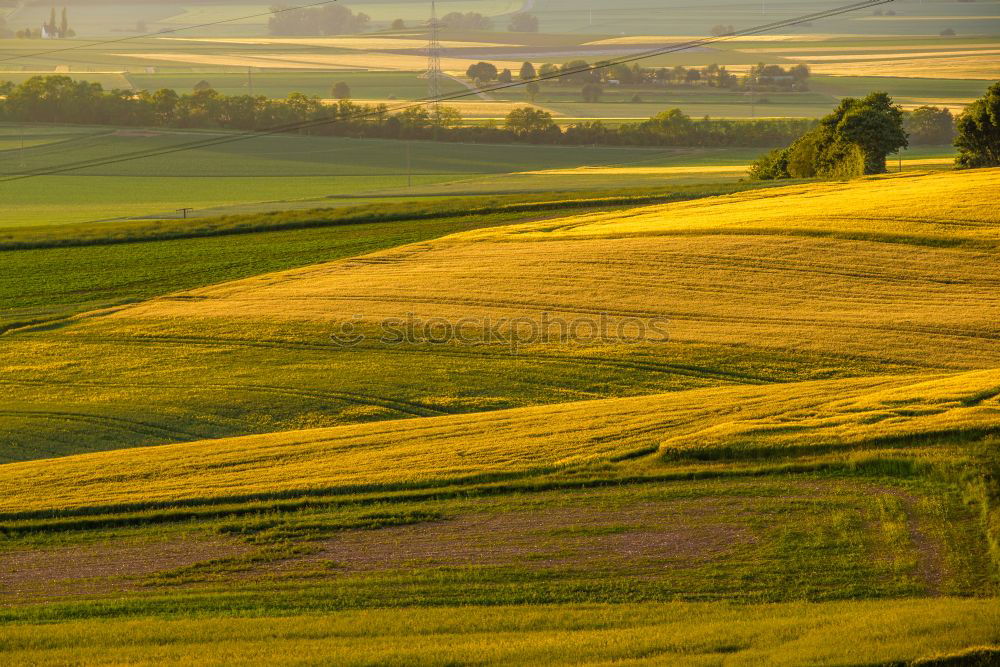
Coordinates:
column 244, row 333
column 592, row 382
column 462, row 495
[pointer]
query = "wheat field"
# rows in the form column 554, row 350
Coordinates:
column 688, row 635
column 759, row 269
column 375, row 61
column 790, row 284
column 953, row 67
column 849, row 415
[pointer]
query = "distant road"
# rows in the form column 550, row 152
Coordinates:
column 468, row 85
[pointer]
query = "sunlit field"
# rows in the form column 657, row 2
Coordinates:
column 682, row 634
column 693, row 363
column 820, row 447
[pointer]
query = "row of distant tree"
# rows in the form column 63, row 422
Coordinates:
column 339, row 20
column 325, row 20
column 60, row 99
column 760, row 77
column 475, row 21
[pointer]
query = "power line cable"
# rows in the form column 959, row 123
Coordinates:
column 382, row 111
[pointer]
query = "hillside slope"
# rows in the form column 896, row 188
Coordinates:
column 826, row 420
column 899, row 269
column 882, row 276
column 800, row 407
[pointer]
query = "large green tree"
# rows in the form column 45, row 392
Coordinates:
column 853, row 140
column 482, row 72
column 874, row 124
column 341, row 90
column 526, row 121
column 978, row 139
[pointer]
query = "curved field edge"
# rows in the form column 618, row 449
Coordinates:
column 59, row 271
column 743, row 306
column 785, row 423
column 111, row 233
column 932, row 208
column 856, row 632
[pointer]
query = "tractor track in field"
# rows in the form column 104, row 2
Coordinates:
column 130, row 425
column 455, row 352
column 411, row 408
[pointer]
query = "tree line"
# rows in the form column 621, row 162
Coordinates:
column 760, row 77
column 60, row 99
column 339, row 20
column 326, row 20
column 473, row 21
column 859, row 134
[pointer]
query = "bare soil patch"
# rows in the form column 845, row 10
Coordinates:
column 100, row 568
column 642, row 537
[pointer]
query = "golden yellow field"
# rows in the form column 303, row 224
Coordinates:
column 873, row 50
column 358, row 43
column 369, row 61
column 673, row 39
column 782, row 635
column 872, row 207
column 957, row 67
column 240, row 60
column 795, row 434
column 470, row 108
column 762, row 267
column 899, row 268
column 854, row 415
column 888, row 57
column 704, row 169
column 955, row 105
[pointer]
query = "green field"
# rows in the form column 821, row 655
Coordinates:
column 291, row 172
column 364, row 85
column 267, row 171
